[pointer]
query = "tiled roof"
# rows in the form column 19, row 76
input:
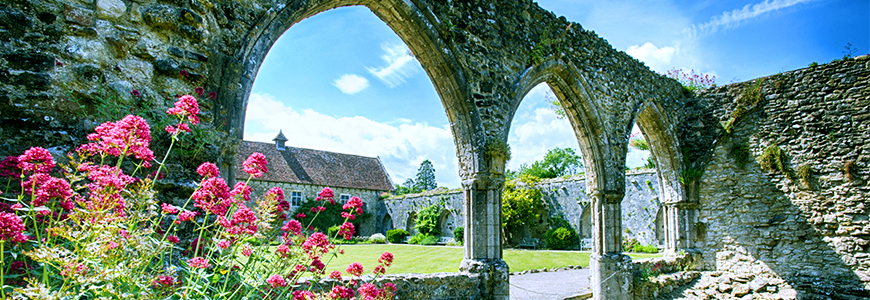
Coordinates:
column 308, row 166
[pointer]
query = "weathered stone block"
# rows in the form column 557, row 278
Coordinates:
column 31, row 80
column 79, row 15
column 161, row 16
column 110, row 9
column 29, row 61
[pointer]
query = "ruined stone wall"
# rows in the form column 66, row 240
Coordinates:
column 564, row 197
column 802, row 229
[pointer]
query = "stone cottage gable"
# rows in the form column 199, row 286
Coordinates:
column 316, row 167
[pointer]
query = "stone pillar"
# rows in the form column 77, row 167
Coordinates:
column 483, row 252
column 611, row 276
column 680, row 219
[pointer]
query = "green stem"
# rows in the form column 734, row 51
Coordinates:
column 2, row 275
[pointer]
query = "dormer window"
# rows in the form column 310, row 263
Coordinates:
column 280, row 140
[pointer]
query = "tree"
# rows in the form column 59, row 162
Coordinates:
column 425, row 177
column 409, row 187
column 557, row 162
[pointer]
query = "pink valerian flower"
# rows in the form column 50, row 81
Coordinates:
column 386, row 259
column 340, row 292
column 111, row 245
column 48, row 188
column 390, row 287
column 36, row 160
column 353, row 203
column 348, row 216
column 198, row 262
column 379, row 270
column 199, row 91
column 225, row 244
column 247, row 251
column 300, row 216
column 276, row 192
column 129, row 136
column 172, row 239
column 347, row 230
column 186, row 106
column 9, row 167
column 276, row 281
column 183, row 73
column 208, row 169
column 185, row 216
column 283, row 250
column 213, row 196
column 244, row 221
column 74, row 268
column 317, row 242
column 303, row 295
column 123, row 233
column 325, row 194
column 355, row 269
column 368, row 291
column 177, row 129
column 11, row 228
column 255, row 165
column 293, row 226
column 135, row 93
column 168, row 209
column 155, row 175
column 212, row 95
column 317, row 265
column 163, row 282
column 241, row 189
column 317, row 209
column 335, row 275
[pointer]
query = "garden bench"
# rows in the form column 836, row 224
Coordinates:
column 444, row 240
column 529, row 242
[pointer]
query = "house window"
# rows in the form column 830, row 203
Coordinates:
column 295, row 199
column 344, row 198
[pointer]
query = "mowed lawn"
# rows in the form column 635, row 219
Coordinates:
column 434, row 259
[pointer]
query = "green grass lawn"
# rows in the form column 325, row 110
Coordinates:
column 433, row 259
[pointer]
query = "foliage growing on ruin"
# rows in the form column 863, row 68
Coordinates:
column 520, row 204
column 692, row 82
column 747, row 102
column 805, row 172
column 773, row 159
column 689, row 176
column 740, row 153
column 396, row 236
column 427, row 219
column 497, row 147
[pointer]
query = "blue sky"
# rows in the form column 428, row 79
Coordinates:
column 343, row 81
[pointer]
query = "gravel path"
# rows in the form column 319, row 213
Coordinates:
column 549, row 285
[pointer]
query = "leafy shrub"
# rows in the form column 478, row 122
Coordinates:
column 396, row 236
column 629, row 244
column 427, row 220
column 332, row 231
column 377, row 238
column 423, row 239
column 645, row 248
column 459, row 234
column 330, row 216
column 562, row 238
column 520, row 205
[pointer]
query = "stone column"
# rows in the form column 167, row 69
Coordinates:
column 483, row 252
column 680, row 219
column 611, row 276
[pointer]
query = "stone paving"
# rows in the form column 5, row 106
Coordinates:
column 549, row 285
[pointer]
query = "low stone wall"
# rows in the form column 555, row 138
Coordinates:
column 437, row 286
column 654, row 277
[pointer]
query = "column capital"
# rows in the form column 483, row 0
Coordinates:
column 609, row 197
column 483, row 181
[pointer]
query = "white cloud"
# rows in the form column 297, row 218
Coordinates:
column 400, row 147
column 351, row 83
column 401, row 65
column 658, row 59
column 730, row 19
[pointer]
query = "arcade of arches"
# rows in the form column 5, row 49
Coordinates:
column 483, row 57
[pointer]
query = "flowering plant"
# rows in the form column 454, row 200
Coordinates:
column 93, row 228
column 692, row 81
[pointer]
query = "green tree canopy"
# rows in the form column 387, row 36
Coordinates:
column 557, row 162
column 425, row 177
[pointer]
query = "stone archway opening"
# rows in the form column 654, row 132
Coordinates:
column 411, row 224
column 386, row 223
column 446, row 223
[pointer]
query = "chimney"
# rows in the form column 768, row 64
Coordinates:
column 279, row 140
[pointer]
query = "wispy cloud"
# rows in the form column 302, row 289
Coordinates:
column 401, row 147
column 731, row 19
column 351, row 83
column 400, row 65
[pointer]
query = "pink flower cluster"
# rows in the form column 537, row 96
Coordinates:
column 9, row 167
column 213, row 196
column 346, row 230
column 326, row 194
column 11, row 228
column 198, row 262
column 208, row 169
column 36, row 160
column 293, row 226
column 243, row 189
column 255, row 165
column 691, row 80
column 244, row 221
column 129, row 136
column 276, row 281
column 186, row 106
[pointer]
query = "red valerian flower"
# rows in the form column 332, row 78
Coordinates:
column 348, row 216
column 168, row 209
column 135, row 93
column 318, row 265
column 9, row 167
column 163, row 282
column 199, row 90
column 317, row 209
column 11, row 228
column 36, row 160
column 241, row 189
column 172, row 239
column 208, row 169
column 379, row 270
column 340, row 292
column 129, row 136
column 335, row 275
column 185, row 216
column 277, row 192
column 225, row 244
column 276, row 281
column 256, row 165
column 183, row 73
column 325, row 194
column 303, row 295
column 355, row 269
column 212, row 95
column 368, row 291
column 346, row 230
column 353, row 204
column 247, row 251
column 186, row 106
column 48, row 188
column 198, row 262
column 293, row 226
column 386, row 259
column 283, row 250
column 213, row 196
column 300, row 216
column 316, row 241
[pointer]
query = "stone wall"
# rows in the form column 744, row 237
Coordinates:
column 656, row 277
column 437, row 286
column 803, row 227
column 566, row 198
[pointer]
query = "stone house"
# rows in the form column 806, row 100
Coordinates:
column 303, row 173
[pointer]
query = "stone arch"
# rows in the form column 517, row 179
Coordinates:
column 415, row 26
column 411, row 223
column 386, row 223
column 660, row 226
column 586, row 225
column 446, row 223
column 664, row 146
